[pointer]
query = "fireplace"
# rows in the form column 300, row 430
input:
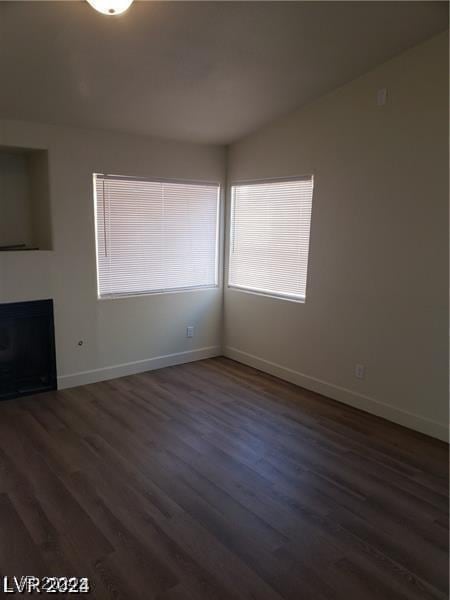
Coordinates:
column 27, row 348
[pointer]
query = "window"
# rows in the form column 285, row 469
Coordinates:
column 269, row 237
column 155, row 236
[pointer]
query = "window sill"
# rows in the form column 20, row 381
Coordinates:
column 157, row 293
column 295, row 299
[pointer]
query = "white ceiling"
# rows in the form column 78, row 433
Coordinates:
column 200, row 71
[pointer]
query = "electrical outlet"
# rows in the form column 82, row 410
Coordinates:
column 190, row 331
column 360, row 371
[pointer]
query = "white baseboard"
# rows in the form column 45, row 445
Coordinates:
column 355, row 399
column 138, row 366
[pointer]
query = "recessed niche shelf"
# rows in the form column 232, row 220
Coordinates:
column 25, row 222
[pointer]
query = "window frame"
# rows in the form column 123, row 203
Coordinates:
column 218, row 253
column 259, row 291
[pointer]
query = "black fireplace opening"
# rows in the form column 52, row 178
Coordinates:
column 27, row 348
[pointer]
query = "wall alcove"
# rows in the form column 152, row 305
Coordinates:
column 25, row 222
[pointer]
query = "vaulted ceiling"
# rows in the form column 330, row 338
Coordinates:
column 199, row 71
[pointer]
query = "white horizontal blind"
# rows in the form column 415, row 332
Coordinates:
column 269, row 239
column 155, row 236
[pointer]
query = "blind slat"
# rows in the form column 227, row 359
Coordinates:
column 269, row 237
column 155, row 236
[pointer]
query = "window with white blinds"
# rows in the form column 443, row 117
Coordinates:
column 269, row 236
column 155, row 236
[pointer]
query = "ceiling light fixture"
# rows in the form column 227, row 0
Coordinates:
column 110, row 7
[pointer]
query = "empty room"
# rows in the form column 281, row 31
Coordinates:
column 224, row 300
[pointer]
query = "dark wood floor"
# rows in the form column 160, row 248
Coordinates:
column 214, row 481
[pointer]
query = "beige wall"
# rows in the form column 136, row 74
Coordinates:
column 378, row 275
column 378, row 271
column 15, row 212
column 114, row 332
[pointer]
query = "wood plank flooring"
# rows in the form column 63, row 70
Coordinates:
column 214, row 481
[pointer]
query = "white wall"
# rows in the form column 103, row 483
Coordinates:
column 119, row 331
column 378, row 273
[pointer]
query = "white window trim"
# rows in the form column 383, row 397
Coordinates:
column 267, row 294
column 256, row 291
column 157, row 292
column 219, row 254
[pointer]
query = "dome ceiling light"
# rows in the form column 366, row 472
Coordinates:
column 110, row 7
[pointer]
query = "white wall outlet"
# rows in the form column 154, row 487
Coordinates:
column 190, row 331
column 381, row 96
column 360, row 371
